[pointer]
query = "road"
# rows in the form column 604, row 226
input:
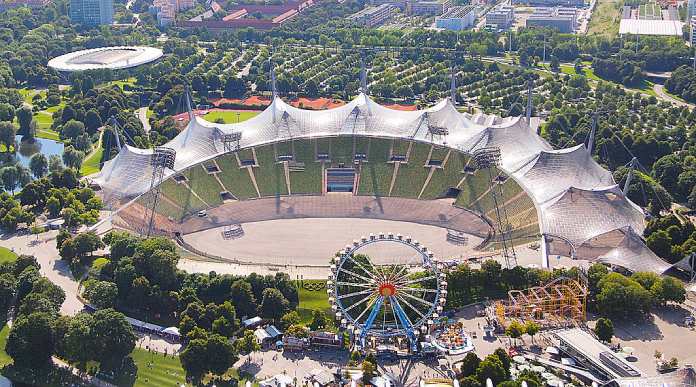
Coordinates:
column 659, row 90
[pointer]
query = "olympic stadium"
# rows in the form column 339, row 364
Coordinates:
column 318, row 175
column 114, row 58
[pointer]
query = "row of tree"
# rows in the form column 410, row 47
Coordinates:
column 38, row 331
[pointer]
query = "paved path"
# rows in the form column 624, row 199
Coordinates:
column 142, row 116
column 56, row 270
column 662, row 94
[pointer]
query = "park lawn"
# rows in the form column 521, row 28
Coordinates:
column 28, row 94
column 646, row 87
column 311, row 300
column 230, row 116
column 5, row 359
column 163, row 371
column 98, row 263
column 91, row 165
column 7, row 255
column 605, row 18
column 566, row 69
column 122, row 82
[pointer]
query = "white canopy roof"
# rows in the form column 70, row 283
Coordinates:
column 576, row 199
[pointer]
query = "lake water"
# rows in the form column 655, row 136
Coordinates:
column 39, row 145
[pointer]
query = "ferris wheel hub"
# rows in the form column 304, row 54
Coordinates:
column 387, row 289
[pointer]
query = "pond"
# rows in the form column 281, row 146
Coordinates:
column 39, row 145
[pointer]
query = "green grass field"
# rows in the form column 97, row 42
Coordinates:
column 98, row 263
column 91, row 164
column 605, row 18
column 121, row 83
column 6, row 255
column 156, row 370
column 230, row 116
column 5, row 359
column 311, row 300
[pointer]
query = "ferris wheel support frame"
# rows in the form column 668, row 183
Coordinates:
column 408, row 328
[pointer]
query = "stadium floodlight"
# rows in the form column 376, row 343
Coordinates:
column 230, row 141
column 437, row 130
column 162, row 158
column 487, row 157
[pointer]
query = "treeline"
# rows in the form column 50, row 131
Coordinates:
column 466, row 285
column 610, row 293
column 142, row 280
column 615, row 295
column 623, row 71
column 670, row 238
column 682, row 82
column 659, row 135
column 39, row 332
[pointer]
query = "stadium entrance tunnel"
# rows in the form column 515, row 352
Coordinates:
column 342, row 177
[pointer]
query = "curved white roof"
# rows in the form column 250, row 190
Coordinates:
column 115, row 58
column 576, row 199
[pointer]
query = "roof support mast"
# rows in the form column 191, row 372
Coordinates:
column 629, row 177
column 363, row 75
column 114, row 128
column 530, row 95
column 187, row 96
column 274, row 89
column 590, row 137
column 453, row 87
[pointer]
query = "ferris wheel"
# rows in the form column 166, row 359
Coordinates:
column 386, row 300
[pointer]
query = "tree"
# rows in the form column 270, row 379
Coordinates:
column 75, row 343
column 55, row 164
column 532, row 328
column 7, row 134
column 515, row 330
column 93, row 121
column 247, row 343
column 668, row 289
column 8, row 288
column 660, row 243
column 87, row 243
column 273, row 304
column 25, row 117
column 555, row 64
column 298, row 331
column 290, row 318
column 31, row 341
column 505, row 360
column 7, row 112
column 102, row 294
column 490, row 368
column 623, row 297
column 234, row 87
column 369, row 367
column 319, row 320
column 470, row 364
column 604, row 329
column 691, row 201
column 38, row 165
column 113, row 338
column 221, row 354
column 72, row 157
column 53, row 206
column 10, row 177
column 72, row 130
column 194, row 359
